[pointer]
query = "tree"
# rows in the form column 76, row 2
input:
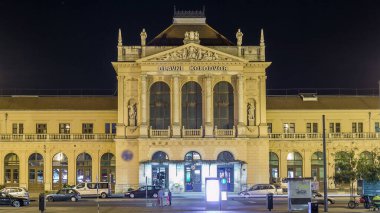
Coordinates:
column 345, row 169
column 368, row 167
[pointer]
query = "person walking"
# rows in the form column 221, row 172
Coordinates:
column 170, row 197
column 161, row 197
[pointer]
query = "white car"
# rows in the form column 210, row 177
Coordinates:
column 261, row 190
column 16, row 192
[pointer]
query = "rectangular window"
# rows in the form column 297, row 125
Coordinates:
column 312, row 127
column 41, row 128
column 87, row 128
column 357, row 127
column 110, row 128
column 269, row 127
column 289, row 128
column 17, row 128
column 377, row 127
column 64, row 128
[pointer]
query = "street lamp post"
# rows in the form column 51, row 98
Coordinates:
column 324, row 164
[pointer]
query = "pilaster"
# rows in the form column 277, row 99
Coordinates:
column 208, row 124
column 176, row 125
column 120, row 127
column 143, row 105
column 241, row 128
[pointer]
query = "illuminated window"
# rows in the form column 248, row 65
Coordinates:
column 64, row 128
column 289, row 128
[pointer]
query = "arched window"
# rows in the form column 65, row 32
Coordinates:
column 159, row 105
column 36, row 172
column 192, row 156
column 160, row 156
column 60, row 168
column 108, row 169
column 273, row 167
column 191, row 105
column 223, row 105
column 317, row 165
column 84, row 168
column 294, row 164
column 341, row 160
column 11, row 169
column 225, row 157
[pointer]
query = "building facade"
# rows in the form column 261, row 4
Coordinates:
column 191, row 104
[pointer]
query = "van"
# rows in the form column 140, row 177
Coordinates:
column 90, row 189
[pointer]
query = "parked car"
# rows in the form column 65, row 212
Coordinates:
column 261, row 189
column 318, row 197
column 8, row 199
column 140, row 193
column 64, row 195
column 16, row 192
column 89, row 189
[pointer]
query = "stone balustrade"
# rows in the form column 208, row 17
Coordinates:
column 57, row 137
column 343, row 135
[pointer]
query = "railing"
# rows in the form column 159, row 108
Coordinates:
column 224, row 132
column 163, row 133
column 343, row 135
column 57, row 137
column 192, row 132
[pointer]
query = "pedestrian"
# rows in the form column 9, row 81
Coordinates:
column 170, row 197
column 161, row 197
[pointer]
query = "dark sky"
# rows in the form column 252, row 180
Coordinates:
column 70, row 44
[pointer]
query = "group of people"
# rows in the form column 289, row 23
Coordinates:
column 164, row 197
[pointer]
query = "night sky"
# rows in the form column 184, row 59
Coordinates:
column 70, row 44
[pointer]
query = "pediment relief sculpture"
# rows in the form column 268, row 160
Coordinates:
column 192, row 53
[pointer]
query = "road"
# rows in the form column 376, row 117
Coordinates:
column 179, row 204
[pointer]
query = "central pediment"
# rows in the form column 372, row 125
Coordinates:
column 191, row 52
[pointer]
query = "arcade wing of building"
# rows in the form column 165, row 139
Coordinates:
column 191, row 104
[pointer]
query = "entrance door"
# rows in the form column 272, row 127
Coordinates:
column 160, row 175
column 36, row 179
column 227, row 172
column 193, row 178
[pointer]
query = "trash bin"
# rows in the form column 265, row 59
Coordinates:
column 313, row 207
column 270, row 201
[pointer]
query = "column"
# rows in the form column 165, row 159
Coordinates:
column 240, row 87
column 208, row 124
column 143, row 125
column 120, row 107
column 176, row 125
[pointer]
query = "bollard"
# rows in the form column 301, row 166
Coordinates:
column 41, row 202
column 270, row 201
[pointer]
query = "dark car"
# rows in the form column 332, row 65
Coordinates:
column 318, row 197
column 140, row 193
column 7, row 199
column 64, row 195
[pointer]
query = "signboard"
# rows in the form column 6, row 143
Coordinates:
column 299, row 193
column 192, row 68
column 371, row 189
column 212, row 190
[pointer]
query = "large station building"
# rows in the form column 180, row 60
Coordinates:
column 191, row 104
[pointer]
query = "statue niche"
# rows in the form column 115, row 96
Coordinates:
column 251, row 112
column 132, row 113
